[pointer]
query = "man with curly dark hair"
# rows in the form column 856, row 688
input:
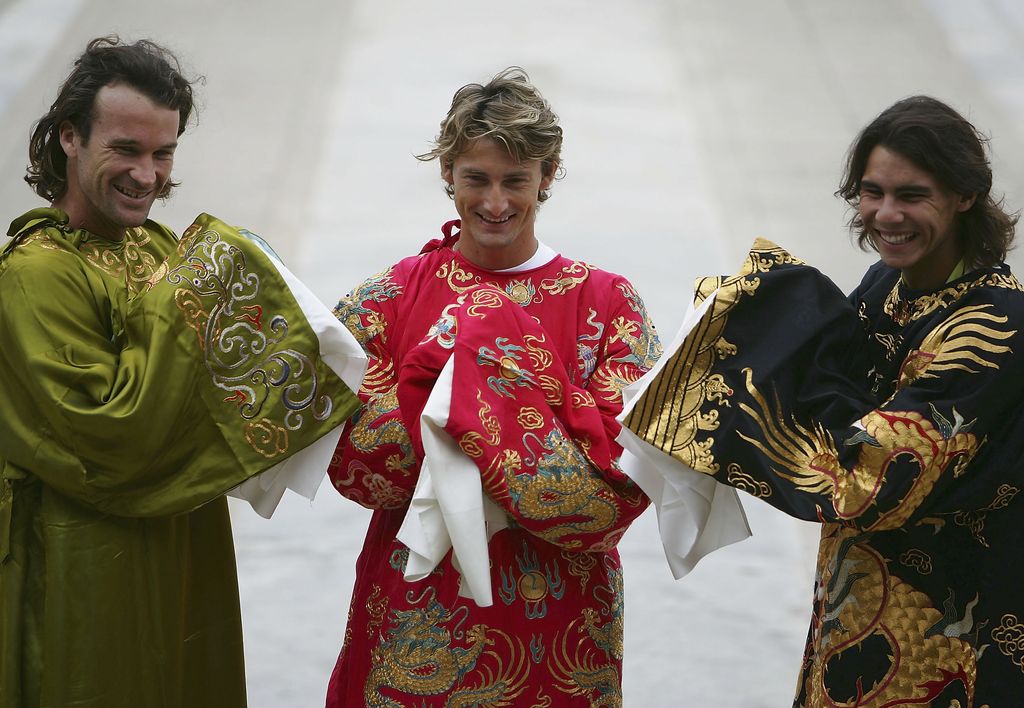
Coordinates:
column 892, row 417
column 128, row 406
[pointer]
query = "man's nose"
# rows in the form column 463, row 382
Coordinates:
column 889, row 211
column 495, row 201
column 144, row 172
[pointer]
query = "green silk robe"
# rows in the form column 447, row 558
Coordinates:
column 139, row 382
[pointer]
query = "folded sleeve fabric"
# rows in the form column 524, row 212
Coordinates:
column 450, row 509
column 140, row 380
column 155, row 399
column 777, row 358
column 696, row 514
column 893, row 419
column 303, row 472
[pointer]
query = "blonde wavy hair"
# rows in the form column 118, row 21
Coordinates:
column 509, row 109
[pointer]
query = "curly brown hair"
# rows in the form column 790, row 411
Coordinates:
column 144, row 66
column 509, row 109
column 940, row 141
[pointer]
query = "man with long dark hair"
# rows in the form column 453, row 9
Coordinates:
column 142, row 377
column 893, row 418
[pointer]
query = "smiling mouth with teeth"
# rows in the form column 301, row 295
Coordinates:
column 130, row 193
column 494, row 221
column 896, row 239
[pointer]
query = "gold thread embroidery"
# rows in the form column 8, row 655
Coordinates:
column 974, row 521
column 219, row 295
column 571, row 276
column 1009, row 637
column 918, row 560
column 746, row 483
column 128, row 259
column 458, row 279
column 470, row 442
column 530, row 418
column 956, row 344
column 906, row 311
column 267, row 438
column 521, row 292
column 679, row 423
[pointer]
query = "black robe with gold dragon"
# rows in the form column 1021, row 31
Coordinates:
column 895, row 419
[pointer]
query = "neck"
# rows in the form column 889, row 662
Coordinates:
column 103, row 228
column 495, row 259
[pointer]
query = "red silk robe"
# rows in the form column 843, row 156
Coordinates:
column 540, row 358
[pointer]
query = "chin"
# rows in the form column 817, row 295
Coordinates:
column 135, row 218
column 493, row 240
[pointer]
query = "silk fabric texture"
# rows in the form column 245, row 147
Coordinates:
column 541, row 357
column 893, row 419
column 139, row 382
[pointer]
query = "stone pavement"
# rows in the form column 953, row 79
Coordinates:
column 691, row 127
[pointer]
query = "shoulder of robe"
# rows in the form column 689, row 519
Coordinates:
column 879, row 274
column 40, row 245
column 159, row 230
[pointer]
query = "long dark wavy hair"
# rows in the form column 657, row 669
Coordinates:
column 940, row 141
column 144, row 66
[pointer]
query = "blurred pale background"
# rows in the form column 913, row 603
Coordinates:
column 690, row 126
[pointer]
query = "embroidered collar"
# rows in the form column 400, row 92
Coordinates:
column 905, row 305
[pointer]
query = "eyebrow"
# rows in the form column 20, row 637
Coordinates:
column 128, row 142
column 474, row 172
column 912, row 189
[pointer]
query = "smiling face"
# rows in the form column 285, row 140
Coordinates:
column 911, row 218
column 115, row 175
column 496, row 198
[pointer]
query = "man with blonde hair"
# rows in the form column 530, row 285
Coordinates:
column 539, row 347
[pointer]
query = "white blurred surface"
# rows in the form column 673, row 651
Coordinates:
column 690, row 128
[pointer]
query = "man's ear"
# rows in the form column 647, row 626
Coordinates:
column 548, row 170
column 68, row 139
column 446, row 171
column 966, row 202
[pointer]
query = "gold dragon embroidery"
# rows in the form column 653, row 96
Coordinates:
column 562, row 486
column 582, row 672
column 419, row 657
column 366, row 324
column 806, row 455
column 859, row 602
column 969, row 340
column 957, row 344
column 368, row 433
column 579, row 672
column 675, row 424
